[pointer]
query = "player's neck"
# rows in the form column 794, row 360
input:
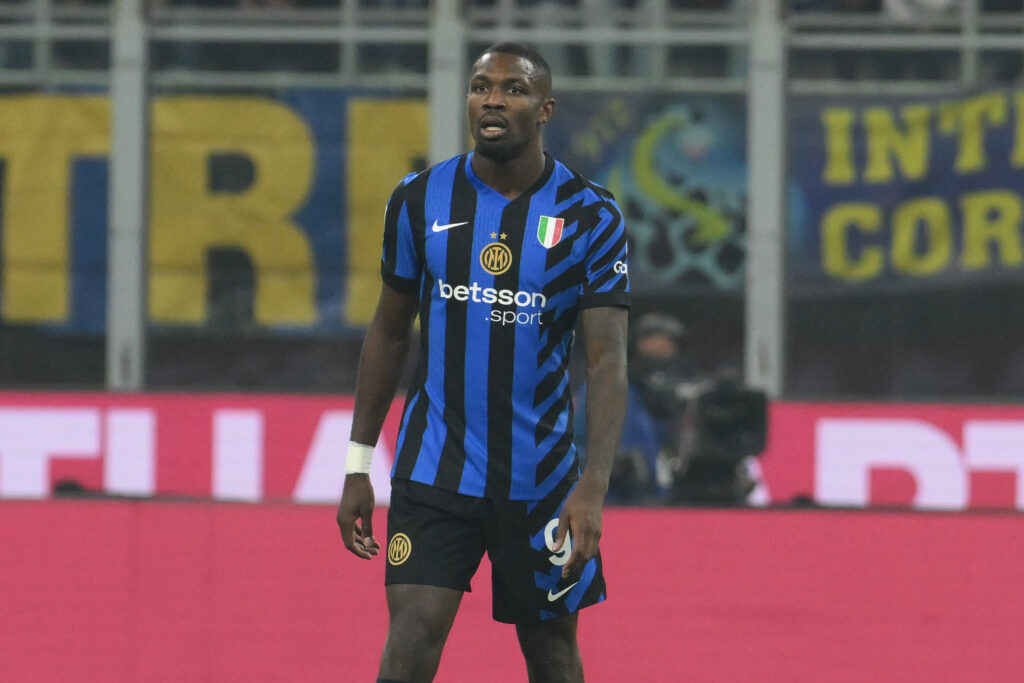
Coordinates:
column 512, row 177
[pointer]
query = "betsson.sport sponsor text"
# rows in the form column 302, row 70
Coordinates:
column 504, row 297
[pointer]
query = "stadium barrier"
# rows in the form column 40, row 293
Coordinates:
column 260, row 448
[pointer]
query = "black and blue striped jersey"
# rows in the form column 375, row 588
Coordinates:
column 500, row 285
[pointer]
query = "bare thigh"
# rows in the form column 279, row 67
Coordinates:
column 421, row 618
column 551, row 651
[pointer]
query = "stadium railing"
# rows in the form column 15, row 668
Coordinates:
column 601, row 45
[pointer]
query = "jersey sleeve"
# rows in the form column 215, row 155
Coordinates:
column 400, row 264
column 607, row 259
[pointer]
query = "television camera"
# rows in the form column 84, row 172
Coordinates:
column 721, row 425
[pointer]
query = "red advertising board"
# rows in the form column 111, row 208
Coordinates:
column 291, row 448
column 223, row 446
column 928, row 456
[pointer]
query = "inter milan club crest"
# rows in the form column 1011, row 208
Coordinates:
column 549, row 231
column 496, row 258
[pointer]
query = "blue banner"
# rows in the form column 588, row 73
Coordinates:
column 266, row 212
column 677, row 165
column 899, row 192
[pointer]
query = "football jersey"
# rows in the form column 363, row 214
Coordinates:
column 500, row 284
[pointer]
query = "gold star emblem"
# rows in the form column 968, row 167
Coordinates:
column 494, row 235
column 504, row 236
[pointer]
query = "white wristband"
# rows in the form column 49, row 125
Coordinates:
column 358, row 459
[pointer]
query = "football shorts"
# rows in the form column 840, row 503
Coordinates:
column 437, row 537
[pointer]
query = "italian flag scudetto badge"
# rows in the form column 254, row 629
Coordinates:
column 549, row 231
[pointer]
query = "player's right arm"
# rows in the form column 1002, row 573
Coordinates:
column 381, row 363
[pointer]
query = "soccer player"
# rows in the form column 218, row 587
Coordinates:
column 498, row 251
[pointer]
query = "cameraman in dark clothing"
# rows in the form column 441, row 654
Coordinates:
column 659, row 364
column 687, row 435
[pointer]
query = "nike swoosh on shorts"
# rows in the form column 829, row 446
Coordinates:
column 552, row 596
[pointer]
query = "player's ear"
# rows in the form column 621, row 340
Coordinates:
column 547, row 110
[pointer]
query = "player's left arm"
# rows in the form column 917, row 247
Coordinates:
column 605, row 336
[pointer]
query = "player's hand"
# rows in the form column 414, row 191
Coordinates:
column 355, row 516
column 581, row 516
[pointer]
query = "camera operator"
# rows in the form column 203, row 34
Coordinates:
column 688, row 436
column 659, row 363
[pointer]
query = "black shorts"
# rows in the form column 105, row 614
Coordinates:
column 437, row 537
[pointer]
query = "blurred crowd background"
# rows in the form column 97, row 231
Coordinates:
column 945, row 338
column 75, row 38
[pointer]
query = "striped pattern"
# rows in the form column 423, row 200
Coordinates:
column 489, row 410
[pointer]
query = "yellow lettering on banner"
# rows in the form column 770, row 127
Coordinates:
column 839, row 169
column 384, row 139
column 188, row 219
column 40, row 136
column 991, row 217
column 969, row 119
column 1017, row 157
column 886, row 140
column 932, row 214
column 836, row 225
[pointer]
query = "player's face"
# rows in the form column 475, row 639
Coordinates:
column 507, row 103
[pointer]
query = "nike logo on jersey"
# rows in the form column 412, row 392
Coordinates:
column 552, row 596
column 439, row 228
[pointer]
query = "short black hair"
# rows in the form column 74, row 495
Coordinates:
column 526, row 52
